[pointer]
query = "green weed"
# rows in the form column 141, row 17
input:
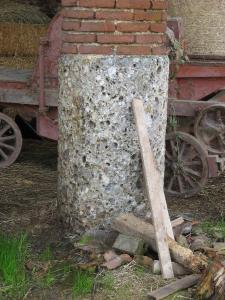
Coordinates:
column 85, row 240
column 211, row 227
column 83, row 282
column 46, row 255
column 13, row 254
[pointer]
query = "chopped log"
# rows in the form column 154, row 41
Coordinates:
column 177, row 222
column 174, row 287
column 155, row 193
column 130, row 225
column 212, row 282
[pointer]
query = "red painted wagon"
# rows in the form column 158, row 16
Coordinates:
column 33, row 93
column 195, row 147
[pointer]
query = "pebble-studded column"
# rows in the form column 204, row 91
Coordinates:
column 113, row 52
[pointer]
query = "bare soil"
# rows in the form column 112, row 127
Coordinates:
column 28, row 203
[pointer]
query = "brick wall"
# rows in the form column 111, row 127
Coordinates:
column 123, row 27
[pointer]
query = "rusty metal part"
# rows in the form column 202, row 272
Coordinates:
column 186, row 165
column 210, row 128
column 10, row 141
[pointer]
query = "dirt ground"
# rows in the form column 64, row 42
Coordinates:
column 28, row 196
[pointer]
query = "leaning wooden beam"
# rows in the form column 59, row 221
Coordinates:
column 174, row 287
column 155, row 193
column 130, row 225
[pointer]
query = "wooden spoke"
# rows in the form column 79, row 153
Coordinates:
column 10, row 141
column 171, row 183
column 3, row 155
column 9, row 147
column 195, row 173
column 180, row 183
column 190, row 181
column 4, row 129
column 188, row 171
column 8, row 138
column 192, row 163
column 210, row 124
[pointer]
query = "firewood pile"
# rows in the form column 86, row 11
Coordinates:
column 176, row 249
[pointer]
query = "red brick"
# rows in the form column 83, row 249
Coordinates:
column 98, row 26
column 90, row 49
column 115, row 39
column 79, row 38
column 138, row 4
column 149, row 39
column 133, row 50
column 148, row 15
column 161, row 50
column 71, row 25
column 97, row 3
column 69, row 49
column 160, row 5
column 78, row 14
column 158, row 27
column 115, row 15
column 69, row 2
column 133, row 27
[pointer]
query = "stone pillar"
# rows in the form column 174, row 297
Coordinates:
column 113, row 52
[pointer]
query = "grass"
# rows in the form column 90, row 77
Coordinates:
column 210, row 226
column 85, row 240
column 46, row 255
column 13, row 254
column 83, row 282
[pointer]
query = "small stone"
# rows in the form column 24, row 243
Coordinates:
column 109, row 255
column 156, row 269
column 200, row 242
column 130, row 245
column 144, row 261
column 114, row 261
column 140, row 210
column 181, row 240
column 186, row 229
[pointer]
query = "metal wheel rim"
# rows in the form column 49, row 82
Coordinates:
column 187, row 168
column 211, row 133
column 10, row 141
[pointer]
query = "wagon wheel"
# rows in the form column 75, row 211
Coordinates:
column 210, row 128
column 186, row 165
column 10, row 141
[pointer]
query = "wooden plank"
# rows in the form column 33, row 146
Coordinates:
column 177, row 222
column 155, row 193
column 27, row 97
column 174, row 287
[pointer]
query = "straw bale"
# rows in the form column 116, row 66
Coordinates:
column 204, row 24
column 12, row 11
column 18, row 62
column 20, row 39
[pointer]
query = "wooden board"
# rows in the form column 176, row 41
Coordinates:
column 155, row 193
column 27, row 97
column 174, row 287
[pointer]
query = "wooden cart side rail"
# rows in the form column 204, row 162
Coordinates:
column 188, row 108
column 27, row 97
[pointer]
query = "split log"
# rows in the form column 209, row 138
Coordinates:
column 174, row 287
column 130, row 225
column 212, row 282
